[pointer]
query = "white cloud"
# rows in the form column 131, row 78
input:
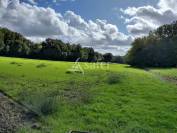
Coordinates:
column 141, row 20
column 38, row 23
column 168, row 5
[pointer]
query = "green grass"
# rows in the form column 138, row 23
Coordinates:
column 171, row 72
column 118, row 99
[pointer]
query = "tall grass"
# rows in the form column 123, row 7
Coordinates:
column 41, row 103
column 113, row 78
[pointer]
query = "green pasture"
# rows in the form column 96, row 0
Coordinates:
column 105, row 99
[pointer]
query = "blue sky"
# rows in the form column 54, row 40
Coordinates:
column 105, row 25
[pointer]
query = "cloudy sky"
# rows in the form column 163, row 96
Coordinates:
column 106, row 25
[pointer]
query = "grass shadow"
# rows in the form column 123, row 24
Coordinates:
column 16, row 63
column 42, row 65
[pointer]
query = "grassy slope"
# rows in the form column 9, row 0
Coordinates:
column 139, row 102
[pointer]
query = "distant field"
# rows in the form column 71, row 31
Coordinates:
column 114, row 99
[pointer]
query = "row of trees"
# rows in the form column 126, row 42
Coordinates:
column 158, row 49
column 14, row 44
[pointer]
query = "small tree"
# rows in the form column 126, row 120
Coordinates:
column 107, row 57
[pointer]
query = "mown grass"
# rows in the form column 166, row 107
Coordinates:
column 118, row 99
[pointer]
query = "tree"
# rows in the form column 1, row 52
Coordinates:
column 98, row 57
column 51, row 50
column 91, row 54
column 118, row 59
column 158, row 49
column 14, row 44
column 108, row 57
column 2, row 45
column 84, row 54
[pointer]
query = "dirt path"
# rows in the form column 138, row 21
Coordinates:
column 170, row 79
column 12, row 115
column 164, row 78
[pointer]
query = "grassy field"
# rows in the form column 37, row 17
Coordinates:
column 114, row 99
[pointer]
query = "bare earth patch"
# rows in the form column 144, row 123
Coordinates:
column 164, row 77
column 171, row 79
column 12, row 115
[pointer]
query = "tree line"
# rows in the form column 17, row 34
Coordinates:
column 158, row 49
column 15, row 45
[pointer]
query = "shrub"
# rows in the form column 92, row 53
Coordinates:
column 42, row 104
column 113, row 78
column 73, row 71
column 68, row 72
column 48, row 106
column 41, row 65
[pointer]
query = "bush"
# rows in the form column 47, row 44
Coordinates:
column 73, row 71
column 41, row 65
column 68, row 72
column 113, row 78
column 48, row 106
column 42, row 104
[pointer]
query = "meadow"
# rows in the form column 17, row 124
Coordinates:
column 113, row 99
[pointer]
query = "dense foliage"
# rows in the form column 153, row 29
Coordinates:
column 158, row 49
column 15, row 45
